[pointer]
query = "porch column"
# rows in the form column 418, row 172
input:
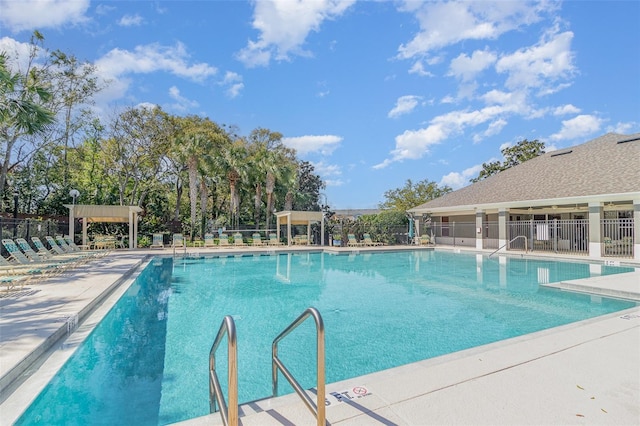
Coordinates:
column 595, row 237
column 479, row 237
column 131, row 230
column 85, row 224
column 322, row 231
column 72, row 224
column 636, row 229
column 502, row 229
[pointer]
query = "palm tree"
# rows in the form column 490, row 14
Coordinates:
column 197, row 140
column 233, row 161
column 23, row 111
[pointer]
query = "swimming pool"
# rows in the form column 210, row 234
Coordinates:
column 147, row 361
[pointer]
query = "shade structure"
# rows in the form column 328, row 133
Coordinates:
column 104, row 213
column 292, row 217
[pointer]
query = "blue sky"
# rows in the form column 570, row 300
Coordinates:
column 371, row 92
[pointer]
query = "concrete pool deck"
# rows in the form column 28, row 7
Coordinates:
column 581, row 373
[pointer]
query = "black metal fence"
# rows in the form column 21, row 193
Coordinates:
column 27, row 228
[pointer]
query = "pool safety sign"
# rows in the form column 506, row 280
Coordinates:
column 347, row 395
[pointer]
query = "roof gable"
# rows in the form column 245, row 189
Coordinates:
column 609, row 164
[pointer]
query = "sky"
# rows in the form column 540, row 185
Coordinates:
column 372, row 93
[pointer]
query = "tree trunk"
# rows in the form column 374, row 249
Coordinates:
column 257, row 204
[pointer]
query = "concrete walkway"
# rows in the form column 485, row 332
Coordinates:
column 582, row 373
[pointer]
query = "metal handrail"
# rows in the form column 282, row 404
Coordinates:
column 526, row 245
column 317, row 409
column 229, row 413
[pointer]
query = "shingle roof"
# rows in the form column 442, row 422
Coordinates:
column 600, row 166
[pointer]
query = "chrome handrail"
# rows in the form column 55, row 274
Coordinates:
column 319, row 408
column 229, row 413
column 526, row 245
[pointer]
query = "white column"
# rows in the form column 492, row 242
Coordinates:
column 595, row 237
column 322, row 231
column 479, row 237
column 72, row 220
column 636, row 229
column 502, row 229
column 85, row 225
column 131, row 230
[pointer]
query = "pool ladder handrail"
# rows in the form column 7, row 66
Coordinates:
column 526, row 246
column 317, row 409
column 228, row 412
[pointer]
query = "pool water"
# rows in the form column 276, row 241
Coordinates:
column 147, row 361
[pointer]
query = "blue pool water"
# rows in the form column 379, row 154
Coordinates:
column 147, row 361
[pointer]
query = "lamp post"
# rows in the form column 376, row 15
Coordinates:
column 15, row 213
column 74, row 193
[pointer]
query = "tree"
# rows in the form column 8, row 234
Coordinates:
column 513, row 155
column 409, row 196
column 309, row 186
column 23, row 104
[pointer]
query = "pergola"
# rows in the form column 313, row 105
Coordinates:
column 290, row 217
column 111, row 214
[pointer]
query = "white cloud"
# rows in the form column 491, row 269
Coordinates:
column 457, row 180
column 624, row 128
column 541, row 65
column 323, row 144
column 118, row 64
column 131, row 21
column 582, row 125
column 418, row 68
column 466, row 68
column 566, row 109
column 182, row 104
column 233, row 83
column 284, row 26
column 444, row 24
column 39, row 14
column 414, row 144
column 404, row 105
column 17, row 52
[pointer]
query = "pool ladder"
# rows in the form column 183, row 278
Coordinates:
column 512, row 240
column 229, row 412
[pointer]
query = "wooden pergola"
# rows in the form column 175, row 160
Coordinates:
column 102, row 213
column 290, row 217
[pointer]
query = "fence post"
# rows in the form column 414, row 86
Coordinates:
column 28, row 229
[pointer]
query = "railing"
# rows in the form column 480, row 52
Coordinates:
column 228, row 412
column 317, row 409
column 617, row 237
column 509, row 242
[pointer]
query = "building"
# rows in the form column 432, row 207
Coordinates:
column 582, row 200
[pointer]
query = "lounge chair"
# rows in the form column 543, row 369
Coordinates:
column 224, row 241
column 367, row 241
column 256, row 240
column 158, row 241
column 8, row 268
column 237, row 240
column 20, row 258
column 53, row 255
column 29, row 252
column 273, row 240
column 63, row 244
column 178, row 240
column 54, row 245
column 301, row 240
column 352, row 241
column 209, row 241
column 72, row 244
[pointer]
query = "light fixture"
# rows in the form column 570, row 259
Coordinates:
column 554, row 207
column 74, row 193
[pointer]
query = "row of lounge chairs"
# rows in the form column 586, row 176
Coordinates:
column 236, row 240
column 26, row 263
column 366, row 241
